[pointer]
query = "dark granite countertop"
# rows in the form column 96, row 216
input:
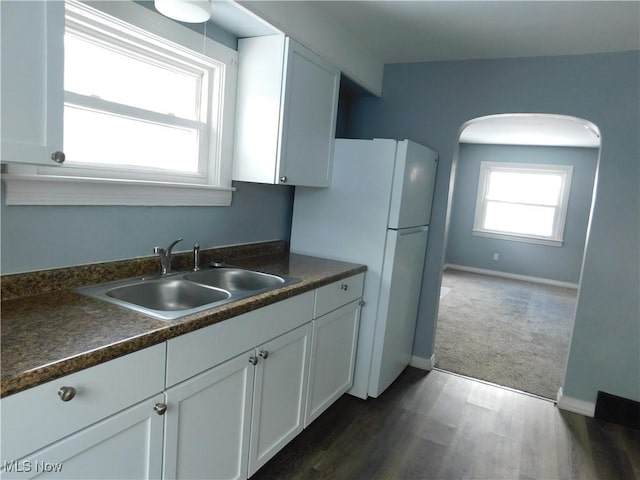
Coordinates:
column 48, row 335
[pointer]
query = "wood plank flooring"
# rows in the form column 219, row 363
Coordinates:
column 436, row 425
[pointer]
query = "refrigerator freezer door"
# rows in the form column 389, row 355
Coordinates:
column 397, row 306
column 413, row 182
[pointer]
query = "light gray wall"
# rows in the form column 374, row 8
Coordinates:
column 38, row 238
column 562, row 263
column 428, row 102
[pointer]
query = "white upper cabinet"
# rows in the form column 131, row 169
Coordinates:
column 286, row 113
column 32, row 81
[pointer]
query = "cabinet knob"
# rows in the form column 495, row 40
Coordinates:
column 253, row 360
column 58, row 156
column 283, row 179
column 344, row 287
column 362, row 303
column 66, row 393
column 264, row 354
column 160, row 408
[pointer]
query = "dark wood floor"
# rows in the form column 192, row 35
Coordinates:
column 439, row 425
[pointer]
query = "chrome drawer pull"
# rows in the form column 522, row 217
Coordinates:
column 66, row 393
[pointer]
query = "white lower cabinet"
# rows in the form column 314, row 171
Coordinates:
column 97, row 423
column 279, row 395
column 228, row 414
column 333, row 356
column 227, row 422
column 191, row 408
column 126, row 445
column 207, row 423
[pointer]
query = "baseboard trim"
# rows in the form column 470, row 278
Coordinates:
column 423, row 363
column 513, row 276
column 575, row 405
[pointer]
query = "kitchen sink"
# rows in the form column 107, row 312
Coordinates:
column 170, row 297
column 236, row 279
column 172, row 294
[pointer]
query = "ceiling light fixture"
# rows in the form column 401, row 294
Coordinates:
column 189, row 11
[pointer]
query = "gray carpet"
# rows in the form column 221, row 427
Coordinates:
column 508, row 332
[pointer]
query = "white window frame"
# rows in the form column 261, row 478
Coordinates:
column 557, row 236
column 95, row 185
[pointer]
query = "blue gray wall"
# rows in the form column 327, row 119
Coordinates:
column 562, row 263
column 428, row 102
column 38, row 238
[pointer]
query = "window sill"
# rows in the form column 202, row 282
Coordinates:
column 61, row 190
column 517, row 238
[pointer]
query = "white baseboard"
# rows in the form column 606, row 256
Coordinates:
column 423, row 363
column 575, row 405
column 513, row 276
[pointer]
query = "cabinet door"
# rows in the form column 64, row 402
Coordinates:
column 38, row 416
column 125, row 445
column 207, row 423
column 333, row 355
column 32, row 86
column 309, row 109
column 279, row 395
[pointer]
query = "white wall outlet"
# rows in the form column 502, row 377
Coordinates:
column 496, row 256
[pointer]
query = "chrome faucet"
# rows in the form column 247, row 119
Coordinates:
column 196, row 257
column 165, row 257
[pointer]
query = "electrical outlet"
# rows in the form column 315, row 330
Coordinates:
column 496, row 256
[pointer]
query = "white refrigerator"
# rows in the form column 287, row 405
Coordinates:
column 376, row 212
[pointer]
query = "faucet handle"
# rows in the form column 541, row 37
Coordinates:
column 196, row 257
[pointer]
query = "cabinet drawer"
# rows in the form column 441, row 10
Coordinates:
column 336, row 294
column 195, row 352
column 37, row 417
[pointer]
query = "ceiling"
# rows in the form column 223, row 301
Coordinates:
column 418, row 31
column 398, row 31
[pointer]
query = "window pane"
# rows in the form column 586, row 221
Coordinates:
column 521, row 219
column 99, row 71
column 129, row 142
column 536, row 188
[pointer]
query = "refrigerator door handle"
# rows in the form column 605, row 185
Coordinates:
column 411, row 230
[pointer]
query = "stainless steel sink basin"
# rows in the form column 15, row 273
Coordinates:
column 172, row 294
column 236, row 279
column 170, row 297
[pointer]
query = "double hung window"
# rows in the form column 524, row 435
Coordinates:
column 148, row 112
column 522, row 202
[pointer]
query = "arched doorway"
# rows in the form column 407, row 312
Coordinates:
column 513, row 254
